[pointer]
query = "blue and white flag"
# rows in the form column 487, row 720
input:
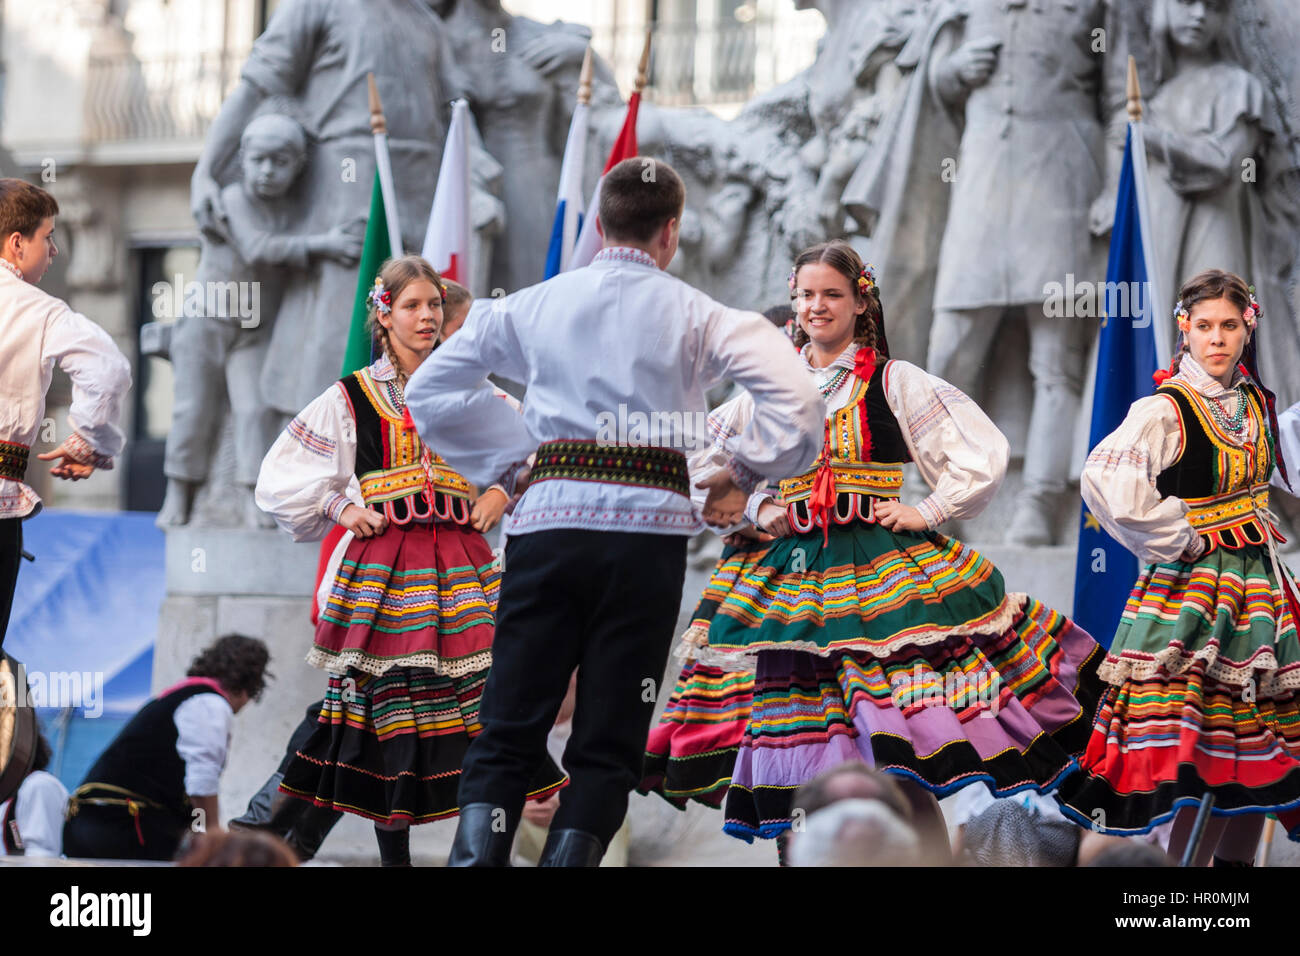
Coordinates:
column 1131, row 347
column 569, row 202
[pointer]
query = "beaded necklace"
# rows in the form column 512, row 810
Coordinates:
column 395, row 394
column 1234, row 424
column 834, row 382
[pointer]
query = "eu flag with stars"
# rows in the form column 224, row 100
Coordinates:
column 1105, row 570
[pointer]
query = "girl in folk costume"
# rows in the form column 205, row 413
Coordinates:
column 1204, row 667
column 877, row 638
column 406, row 632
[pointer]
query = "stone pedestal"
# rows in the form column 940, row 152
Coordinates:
column 260, row 583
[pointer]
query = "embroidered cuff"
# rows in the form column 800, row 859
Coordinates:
column 754, row 503
column 1196, row 547
column 80, row 450
column 934, row 511
column 334, row 505
column 745, row 478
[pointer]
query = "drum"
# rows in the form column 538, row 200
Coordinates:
column 18, row 729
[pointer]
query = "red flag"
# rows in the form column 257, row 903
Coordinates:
column 589, row 240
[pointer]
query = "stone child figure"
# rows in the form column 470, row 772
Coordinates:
column 1027, row 79
column 219, row 345
column 1207, row 127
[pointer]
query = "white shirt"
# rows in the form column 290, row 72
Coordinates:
column 618, row 342
column 42, row 806
column 309, row 474
column 1288, row 443
column 956, row 448
column 1119, row 478
column 203, row 725
column 36, row 331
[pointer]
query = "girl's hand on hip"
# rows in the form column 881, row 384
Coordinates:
column 896, row 516
column 363, row 522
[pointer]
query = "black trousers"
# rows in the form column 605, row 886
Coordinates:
column 11, row 556
column 605, row 603
column 110, row 833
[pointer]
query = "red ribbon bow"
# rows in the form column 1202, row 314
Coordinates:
column 822, row 500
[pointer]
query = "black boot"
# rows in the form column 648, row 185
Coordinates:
column 394, row 846
column 308, row 828
column 484, row 836
column 262, row 806
column 571, row 848
column 1219, row 861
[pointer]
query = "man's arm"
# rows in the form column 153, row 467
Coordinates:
column 101, row 377
column 202, row 739
column 784, row 437
column 458, row 412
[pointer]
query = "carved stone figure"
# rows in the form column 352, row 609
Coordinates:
column 520, row 78
column 318, row 53
column 1208, row 129
column 220, row 342
column 1026, row 76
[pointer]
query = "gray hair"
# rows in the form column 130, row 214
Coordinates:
column 855, row 833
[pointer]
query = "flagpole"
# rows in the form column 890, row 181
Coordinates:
column 643, row 68
column 379, row 127
column 584, row 79
column 1159, row 309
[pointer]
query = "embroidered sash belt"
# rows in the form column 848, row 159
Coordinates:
column 1233, row 520
column 13, row 460
column 858, row 486
column 402, row 494
column 868, row 478
column 643, row 466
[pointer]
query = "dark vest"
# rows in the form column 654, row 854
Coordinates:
column 887, row 442
column 1203, row 468
column 388, row 463
column 143, row 758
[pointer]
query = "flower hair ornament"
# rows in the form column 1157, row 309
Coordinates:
column 791, row 281
column 867, row 280
column 1253, row 312
column 380, row 298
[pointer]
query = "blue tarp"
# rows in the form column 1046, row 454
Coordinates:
column 89, row 605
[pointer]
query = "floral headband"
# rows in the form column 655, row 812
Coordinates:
column 1250, row 316
column 382, row 299
column 866, row 280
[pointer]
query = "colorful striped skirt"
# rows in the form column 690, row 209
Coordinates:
column 418, row 595
column 691, row 752
column 902, row 650
column 389, row 748
column 1203, row 679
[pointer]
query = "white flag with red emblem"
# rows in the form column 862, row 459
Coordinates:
column 446, row 240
